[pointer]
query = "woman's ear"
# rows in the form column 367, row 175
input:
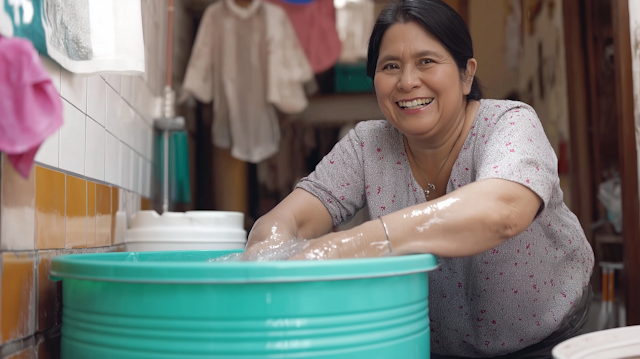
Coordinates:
column 470, row 72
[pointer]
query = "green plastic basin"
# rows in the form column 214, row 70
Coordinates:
column 179, row 305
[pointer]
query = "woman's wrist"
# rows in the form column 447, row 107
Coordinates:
column 372, row 238
column 386, row 234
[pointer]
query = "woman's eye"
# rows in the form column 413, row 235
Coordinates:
column 390, row 67
column 425, row 61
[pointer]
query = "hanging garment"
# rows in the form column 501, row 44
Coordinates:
column 315, row 24
column 83, row 36
column 30, row 108
column 247, row 60
column 355, row 20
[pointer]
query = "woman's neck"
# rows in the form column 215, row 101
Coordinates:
column 431, row 152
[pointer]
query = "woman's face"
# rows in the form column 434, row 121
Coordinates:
column 417, row 82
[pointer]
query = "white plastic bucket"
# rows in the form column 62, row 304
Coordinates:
column 194, row 230
column 618, row 343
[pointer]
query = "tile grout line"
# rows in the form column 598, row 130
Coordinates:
column 65, row 211
column 86, row 104
column 131, row 148
column 105, row 155
column 86, row 214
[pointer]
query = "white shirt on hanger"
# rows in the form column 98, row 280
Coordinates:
column 248, row 60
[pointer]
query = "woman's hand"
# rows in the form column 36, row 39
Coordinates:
column 267, row 242
column 278, row 234
column 365, row 241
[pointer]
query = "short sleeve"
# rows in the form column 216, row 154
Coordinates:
column 338, row 180
column 199, row 74
column 518, row 150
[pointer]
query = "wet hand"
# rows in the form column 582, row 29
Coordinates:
column 267, row 243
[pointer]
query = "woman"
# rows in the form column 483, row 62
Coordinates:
column 472, row 181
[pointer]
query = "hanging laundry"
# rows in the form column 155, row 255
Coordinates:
column 30, row 108
column 354, row 20
column 247, row 60
column 315, row 24
column 84, row 36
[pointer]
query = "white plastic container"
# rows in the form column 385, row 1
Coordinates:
column 194, row 230
column 618, row 343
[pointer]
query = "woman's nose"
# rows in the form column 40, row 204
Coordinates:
column 408, row 80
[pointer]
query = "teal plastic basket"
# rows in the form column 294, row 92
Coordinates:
column 352, row 78
column 180, row 305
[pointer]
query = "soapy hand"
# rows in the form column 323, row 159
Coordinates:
column 365, row 241
column 272, row 242
column 265, row 241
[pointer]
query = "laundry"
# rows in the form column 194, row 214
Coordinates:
column 249, row 62
column 354, row 20
column 315, row 24
column 30, row 108
column 83, row 36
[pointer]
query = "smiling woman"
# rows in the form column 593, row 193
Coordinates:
column 473, row 181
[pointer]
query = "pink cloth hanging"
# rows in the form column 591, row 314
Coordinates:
column 30, row 108
column 315, row 24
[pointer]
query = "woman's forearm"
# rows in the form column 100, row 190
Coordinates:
column 468, row 221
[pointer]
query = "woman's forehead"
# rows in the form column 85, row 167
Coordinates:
column 409, row 39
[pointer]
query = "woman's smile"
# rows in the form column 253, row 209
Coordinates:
column 413, row 106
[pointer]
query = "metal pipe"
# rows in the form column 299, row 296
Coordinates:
column 169, row 42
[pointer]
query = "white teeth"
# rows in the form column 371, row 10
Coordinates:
column 415, row 104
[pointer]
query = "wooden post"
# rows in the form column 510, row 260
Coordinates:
column 628, row 157
column 577, row 86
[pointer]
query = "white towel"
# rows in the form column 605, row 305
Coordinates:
column 84, row 36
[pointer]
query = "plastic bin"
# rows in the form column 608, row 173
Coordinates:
column 352, row 78
column 179, row 305
column 192, row 230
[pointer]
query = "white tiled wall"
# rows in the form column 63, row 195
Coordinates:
column 104, row 135
column 107, row 133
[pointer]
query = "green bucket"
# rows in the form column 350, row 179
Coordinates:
column 180, row 305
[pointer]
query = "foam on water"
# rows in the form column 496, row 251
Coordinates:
column 231, row 257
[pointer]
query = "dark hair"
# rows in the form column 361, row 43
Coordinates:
column 437, row 18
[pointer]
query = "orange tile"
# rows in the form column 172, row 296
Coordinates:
column 91, row 214
column 28, row 353
column 17, row 296
column 49, row 294
column 76, row 213
column 17, row 199
column 145, row 204
column 50, row 204
column 103, row 215
column 115, row 199
column 49, row 348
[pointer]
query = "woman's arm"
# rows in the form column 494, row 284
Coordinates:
column 300, row 215
column 468, row 221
